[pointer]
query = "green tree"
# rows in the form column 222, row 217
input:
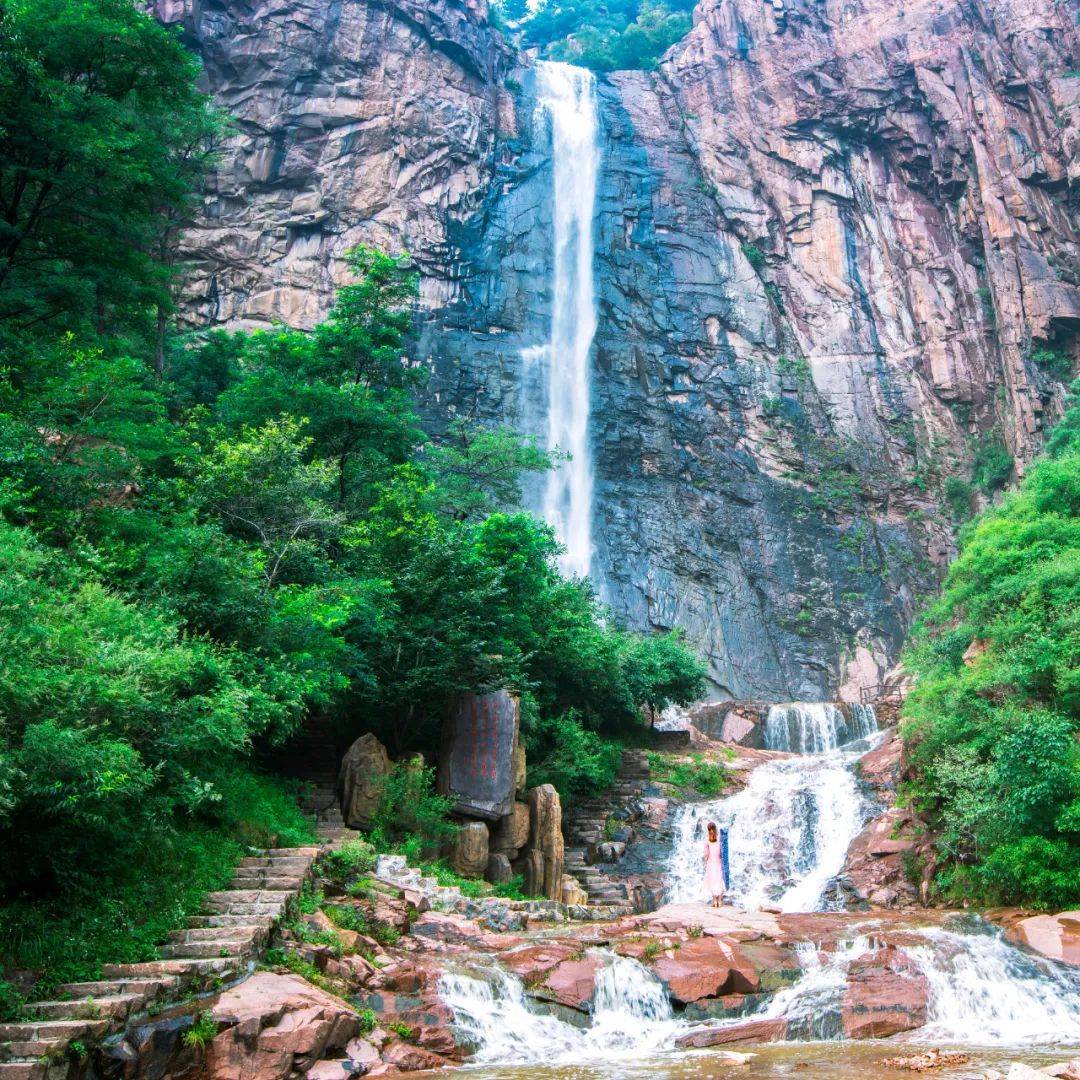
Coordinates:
column 993, row 718
column 102, row 133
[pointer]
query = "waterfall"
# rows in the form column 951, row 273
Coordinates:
column 791, row 826
column 812, row 727
column 631, row 1015
column 985, row 991
column 566, row 101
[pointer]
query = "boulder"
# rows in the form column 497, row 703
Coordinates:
column 531, row 867
column 545, row 836
column 1055, row 936
column 498, row 869
column 511, row 833
column 411, row 1058
column 360, row 780
column 886, row 994
column 571, row 983
column 476, row 761
column 533, row 961
column 705, row 967
column 277, row 1024
column 469, row 857
column 572, row 892
column 753, row 1031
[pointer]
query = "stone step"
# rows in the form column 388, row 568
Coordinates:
column 31, row 1048
column 182, row 966
column 207, row 950
column 251, row 912
column 267, row 880
column 295, row 863
column 232, row 932
column 26, row 1070
column 221, row 903
column 109, row 987
column 111, row 1007
column 284, row 851
column 205, row 922
column 32, row 1030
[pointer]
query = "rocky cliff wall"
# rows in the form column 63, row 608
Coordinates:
column 830, row 237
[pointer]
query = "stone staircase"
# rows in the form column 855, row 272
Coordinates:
column 585, row 823
column 216, row 946
column 312, row 757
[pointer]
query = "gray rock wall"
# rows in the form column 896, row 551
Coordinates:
column 829, row 237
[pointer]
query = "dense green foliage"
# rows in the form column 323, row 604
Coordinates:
column 605, row 35
column 204, row 541
column 993, row 738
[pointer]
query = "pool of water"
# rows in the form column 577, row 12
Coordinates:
column 821, row 1061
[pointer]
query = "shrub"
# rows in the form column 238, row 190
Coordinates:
column 563, row 753
column 992, row 740
column 411, row 810
column 754, row 255
column 993, row 464
column 958, row 495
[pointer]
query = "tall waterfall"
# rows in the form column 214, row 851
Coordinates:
column 566, row 101
column 791, row 826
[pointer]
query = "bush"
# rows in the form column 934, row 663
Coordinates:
column 993, row 464
column 958, row 495
column 411, row 815
column 993, row 740
column 576, row 761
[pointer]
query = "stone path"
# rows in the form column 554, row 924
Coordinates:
column 217, row 946
column 585, row 824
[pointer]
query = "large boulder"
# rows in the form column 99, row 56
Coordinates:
column 571, row 983
column 476, row 761
column 545, row 836
column 751, row 1031
column 275, row 1025
column 886, row 994
column 572, row 892
column 469, row 857
column 360, row 781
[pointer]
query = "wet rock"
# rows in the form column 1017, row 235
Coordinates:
column 571, row 983
column 469, row 857
column 533, row 961
column 927, row 1062
column 1055, row 936
column 886, row 994
column 409, row 1058
column 476, row 762
column 705, row 967
column 753, row 1031
column 360, row 780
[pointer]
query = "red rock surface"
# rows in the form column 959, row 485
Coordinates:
column 705, row 967
column 885, row 994
column 752, row 1031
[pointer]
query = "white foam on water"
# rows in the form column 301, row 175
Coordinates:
column 987, row 992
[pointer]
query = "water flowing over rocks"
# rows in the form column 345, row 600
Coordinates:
column 827, row 240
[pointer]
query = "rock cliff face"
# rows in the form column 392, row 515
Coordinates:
column 831, row 239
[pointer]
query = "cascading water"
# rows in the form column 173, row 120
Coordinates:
column 813, row 727
column 791, row 826
column 631, row 1015
column 985, row 991
column 566, row 101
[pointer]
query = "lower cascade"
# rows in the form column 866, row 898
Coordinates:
column 983, row 992
column 631, row 1015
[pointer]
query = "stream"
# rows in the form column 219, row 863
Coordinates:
column 790, row 828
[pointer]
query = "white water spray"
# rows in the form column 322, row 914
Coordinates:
column 631, row 1015
column 790, row 827
column 985, row 991
column 566, row 99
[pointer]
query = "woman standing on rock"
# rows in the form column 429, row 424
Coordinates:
column 714, row 865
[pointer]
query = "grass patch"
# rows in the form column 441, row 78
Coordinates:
column 695, row 775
